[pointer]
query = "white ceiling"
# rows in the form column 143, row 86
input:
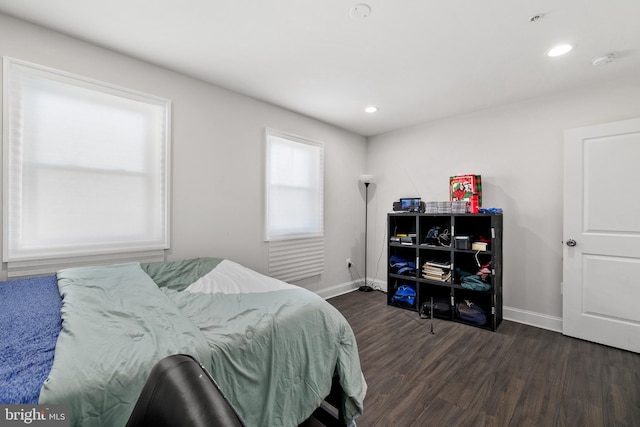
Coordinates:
column 417, row 60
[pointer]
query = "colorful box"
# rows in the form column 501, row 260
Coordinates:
column 462, row 187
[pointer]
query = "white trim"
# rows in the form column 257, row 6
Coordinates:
column 539, row 320
column 50, row 266
column 531, row 318
column 337, row 290
column 378, row 285
column 345, row 288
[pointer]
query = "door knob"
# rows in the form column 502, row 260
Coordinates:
column 571, row 242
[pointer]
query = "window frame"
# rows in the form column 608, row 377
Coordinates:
column 273, row 236
column 14, row 253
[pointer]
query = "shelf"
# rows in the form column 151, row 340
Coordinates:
column 425, row 227
column 402, row 276
column 435, row 282
column 460, row 287
column 471, row 251
column 435, row 248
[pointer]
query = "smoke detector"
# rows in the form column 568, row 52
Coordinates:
column 360, row 11
column 603, row 60
column 536, row 18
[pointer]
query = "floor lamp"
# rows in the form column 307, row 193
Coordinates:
column 366, row 180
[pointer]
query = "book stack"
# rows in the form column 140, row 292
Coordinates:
column 407, row 239
column 444, row 207
column 438, row 207
column 459, row 206
column 431, row 207
column 437, row 270
column 404, row 238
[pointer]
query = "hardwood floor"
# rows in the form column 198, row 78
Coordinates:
column 464, row 376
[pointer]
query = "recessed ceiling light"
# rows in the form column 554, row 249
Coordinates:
column 560, row 50
column 371, row 109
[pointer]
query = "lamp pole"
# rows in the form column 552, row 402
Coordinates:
column 366, row 287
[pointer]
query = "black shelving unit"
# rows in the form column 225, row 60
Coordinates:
column 447, row 261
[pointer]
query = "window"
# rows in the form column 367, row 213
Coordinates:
column 294, row 187
column 86, row 166
column 294, row 206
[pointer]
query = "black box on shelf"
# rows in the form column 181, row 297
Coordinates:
column 462, row 242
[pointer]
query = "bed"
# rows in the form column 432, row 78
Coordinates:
column 89, row 336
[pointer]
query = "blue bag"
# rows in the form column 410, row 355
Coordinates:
column 469, row 312
column 405, row 294
column 401, row 265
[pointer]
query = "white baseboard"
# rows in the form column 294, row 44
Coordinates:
column 344, row 288
column 525, row 317
column 531, row 318
column 378, row 285
column 340, row 289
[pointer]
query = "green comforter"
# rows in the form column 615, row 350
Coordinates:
column 273, row 354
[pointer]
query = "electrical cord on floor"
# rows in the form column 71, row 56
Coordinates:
column 351, row 270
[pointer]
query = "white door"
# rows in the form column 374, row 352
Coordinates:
column 601, row 266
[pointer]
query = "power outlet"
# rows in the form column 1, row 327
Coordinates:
column 349, row 264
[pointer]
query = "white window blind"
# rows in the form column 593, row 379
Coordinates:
column 296, row 259
column 86, row 166
column 294, row 187
column 294, row 205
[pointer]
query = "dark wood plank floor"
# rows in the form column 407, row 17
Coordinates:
column 464, row 376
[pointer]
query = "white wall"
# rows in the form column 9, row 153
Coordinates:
column 217, row 169
column 518, row 150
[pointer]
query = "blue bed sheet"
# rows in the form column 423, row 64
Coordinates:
column 30, row 323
